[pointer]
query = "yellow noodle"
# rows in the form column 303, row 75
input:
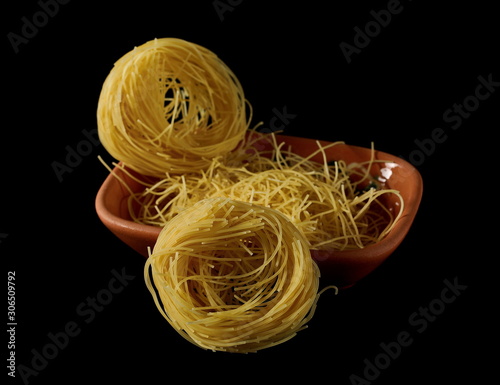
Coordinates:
column 221, row 296
column 169, row 106
column 331, row 210
column 231, row 269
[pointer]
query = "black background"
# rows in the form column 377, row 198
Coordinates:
column 286, row 55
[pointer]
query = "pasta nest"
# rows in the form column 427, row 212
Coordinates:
column 169, row 106
column 232, row 276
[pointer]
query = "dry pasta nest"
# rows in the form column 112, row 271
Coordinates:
column 232, row 276
column 231, row 269
column 335, row 205
column 170, row 106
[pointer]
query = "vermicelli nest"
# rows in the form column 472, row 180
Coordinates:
column 332, row 211
column 232, row 276
column 231, row 269
column 170, row 106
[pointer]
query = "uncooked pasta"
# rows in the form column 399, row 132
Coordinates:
column 231, row 269
column 233, row 276
column 170, row 106
column 333, row 211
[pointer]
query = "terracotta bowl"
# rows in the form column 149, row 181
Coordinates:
column 342, row 268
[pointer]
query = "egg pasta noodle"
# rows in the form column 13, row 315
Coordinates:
column 239, row 211
column 233, row 276
column 335, row 205
column 170, row 105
